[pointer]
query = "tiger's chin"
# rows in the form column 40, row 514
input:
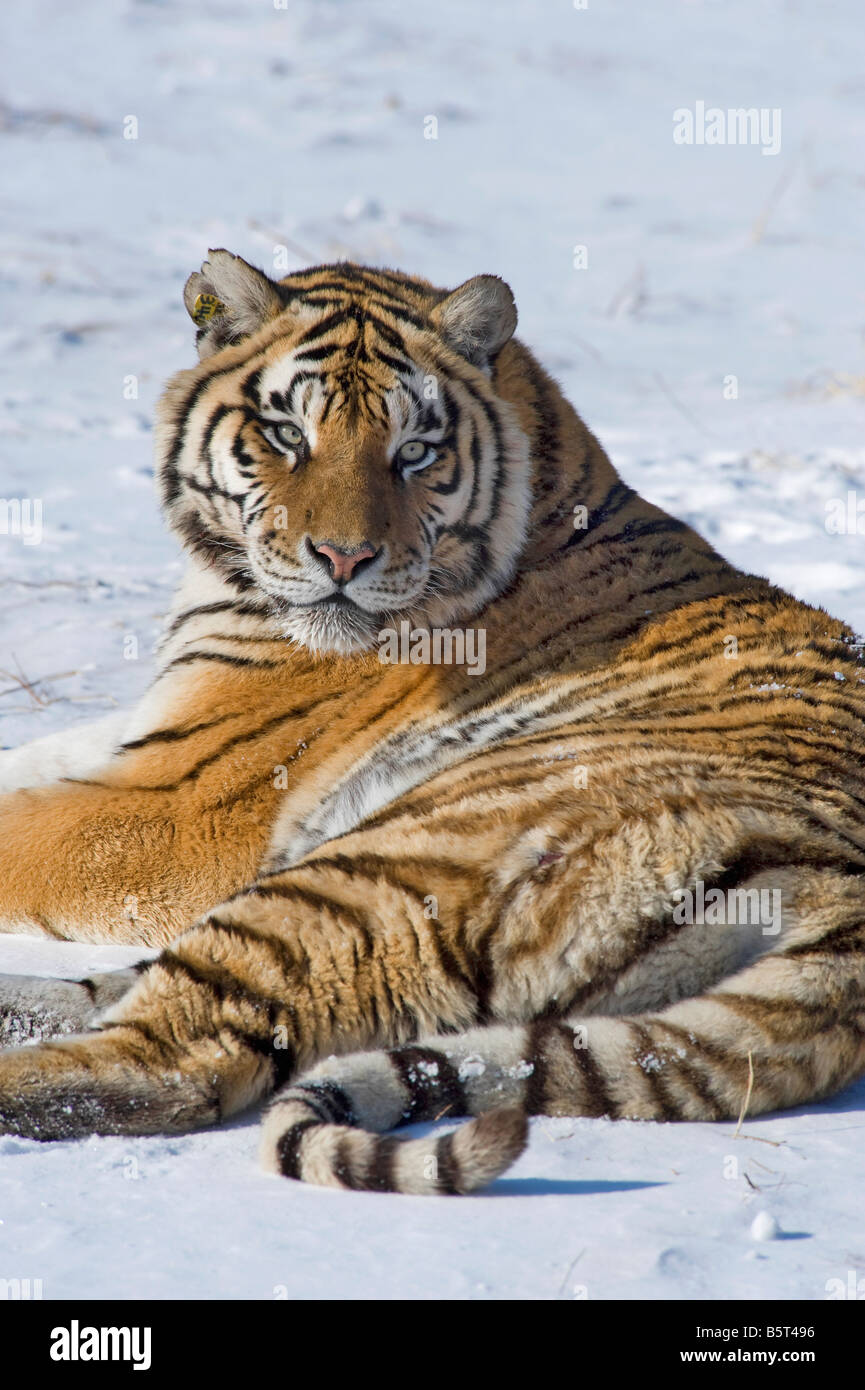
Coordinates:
column 340, row 628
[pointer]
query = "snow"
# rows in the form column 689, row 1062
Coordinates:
column 765, row 1227
column 304, row 129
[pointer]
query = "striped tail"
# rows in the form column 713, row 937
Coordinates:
column 329, row 1128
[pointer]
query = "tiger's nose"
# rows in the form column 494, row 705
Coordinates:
column 343, row 563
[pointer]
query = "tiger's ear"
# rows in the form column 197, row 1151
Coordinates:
column 478, row 318
column 228, row 299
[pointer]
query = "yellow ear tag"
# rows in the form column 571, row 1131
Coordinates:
column 206, row 307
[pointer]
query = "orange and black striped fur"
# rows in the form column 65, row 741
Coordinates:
column 390, row 891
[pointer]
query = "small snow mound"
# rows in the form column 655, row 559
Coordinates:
column 765, row 1227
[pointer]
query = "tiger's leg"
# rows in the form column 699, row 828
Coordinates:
column 33, row 1008
column 267, row 984
column 77, row 752
column 173, row 821
column 124, row 862
column 788, row 1029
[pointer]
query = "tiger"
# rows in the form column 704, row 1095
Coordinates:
column 382, row 890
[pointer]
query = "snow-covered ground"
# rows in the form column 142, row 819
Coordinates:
column 305, row 128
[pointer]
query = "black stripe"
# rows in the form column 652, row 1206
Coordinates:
column 645, row 1051
column 597, row 1099
column 448, row 1174
column 433, row 1092
column 191, row 528
column 381, row 1174
column 536, row 1082
column 844, row 940
column 328, row 1100
column 247, row 736
column 288, row 1147
column 317, row 903
column 175, row 735
column 169, row 476
column 344, row 1168
column 258, row 663
column 242, row 610
column 212, row 978
column 167, row 1050
column 618, row 496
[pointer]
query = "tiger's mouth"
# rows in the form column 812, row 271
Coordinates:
column 334, row 623
column 337, row 600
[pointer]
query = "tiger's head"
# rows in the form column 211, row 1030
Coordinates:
column 341, row 449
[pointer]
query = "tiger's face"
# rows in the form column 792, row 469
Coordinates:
column 342, row 450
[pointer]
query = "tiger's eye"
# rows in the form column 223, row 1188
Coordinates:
column 290, row 435
column 412, row 451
